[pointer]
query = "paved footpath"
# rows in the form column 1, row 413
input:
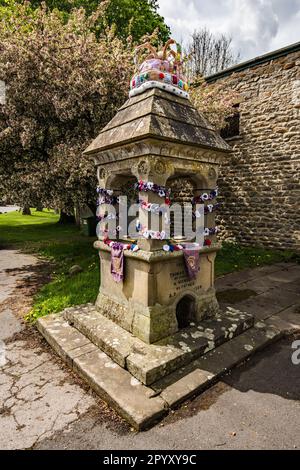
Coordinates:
column 37, row 396
column 5, row 209
column 44, row 406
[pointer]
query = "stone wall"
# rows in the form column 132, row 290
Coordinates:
column 182, row 191
column 260, row 185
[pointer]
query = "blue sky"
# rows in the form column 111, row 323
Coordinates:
column 256, row 26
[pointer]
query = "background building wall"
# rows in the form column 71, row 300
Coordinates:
column 260, row 184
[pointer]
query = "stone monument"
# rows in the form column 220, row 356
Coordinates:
column 156, row 334
column 158, row 136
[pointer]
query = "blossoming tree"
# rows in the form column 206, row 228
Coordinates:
column 214, row 101
column 62, row 86
column 64, row 79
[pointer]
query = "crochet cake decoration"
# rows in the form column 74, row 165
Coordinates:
column 161, row 69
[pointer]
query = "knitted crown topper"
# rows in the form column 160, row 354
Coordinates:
column 160, row 69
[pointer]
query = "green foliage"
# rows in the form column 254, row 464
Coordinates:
column 65, row 84
column 130, row 17
column 137, row 18
column 68, row 71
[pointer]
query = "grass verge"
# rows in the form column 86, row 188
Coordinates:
column 63, row 246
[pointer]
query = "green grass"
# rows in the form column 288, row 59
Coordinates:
column 64, row 246
column 233, row 257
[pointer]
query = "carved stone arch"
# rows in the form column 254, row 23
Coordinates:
column 199, row 176
column 213, row 173
column 123, row 185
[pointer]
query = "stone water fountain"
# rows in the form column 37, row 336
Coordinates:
column 138, row 344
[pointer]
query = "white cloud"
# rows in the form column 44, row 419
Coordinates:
column 256, row 26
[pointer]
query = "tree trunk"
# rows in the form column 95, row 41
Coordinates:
column 66, row 218
column 93, row 208
column 39, row 207
column 26, row 210
column 77, row 215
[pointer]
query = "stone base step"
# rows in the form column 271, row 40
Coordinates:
column 206, row 370
column 138, row 404
column 151, row 362
column 143, row 406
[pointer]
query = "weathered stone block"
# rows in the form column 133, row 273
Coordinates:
column 146, row 303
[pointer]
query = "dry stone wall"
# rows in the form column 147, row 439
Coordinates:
column 182, row 191
column 260, row 184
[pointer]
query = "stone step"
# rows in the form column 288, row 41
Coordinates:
column 111, row 338
column 138, row 404
column 150, row 362
column 203, row 372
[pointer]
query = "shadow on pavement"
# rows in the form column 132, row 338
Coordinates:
column 269, row 371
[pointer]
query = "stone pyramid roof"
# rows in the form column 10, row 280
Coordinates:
column 158, row 114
